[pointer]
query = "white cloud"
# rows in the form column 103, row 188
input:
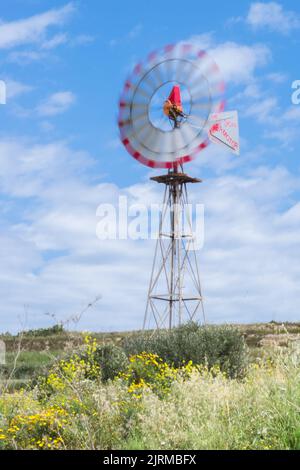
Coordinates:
column 63, row 38
column 14, row 88
column 53, row 262
column 81, row 39
column 292, row 114
column 286, row 135
column 249, row 248
column 25, row 57
column 279, row 125
column 113, row 144
column 55, row 41
column 252, row 91
column 131, row 35
column 34, row 166
column 271, row 15
column 216, row 159
column 32, row 29
column 46, row 126
column 135, row 31
column 238, row 62
column 203, row 41
column 57, row 103
column 277, row 77
column 263, row 110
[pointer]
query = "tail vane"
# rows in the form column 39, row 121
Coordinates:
column 224, row 130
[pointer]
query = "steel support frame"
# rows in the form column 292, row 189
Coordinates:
column 175, row 261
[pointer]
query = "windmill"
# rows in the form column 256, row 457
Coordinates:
column 170, row 109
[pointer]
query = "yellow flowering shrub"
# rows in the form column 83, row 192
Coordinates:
column 36, row 419
column 147, row 370
column 65, row 372
column 41, row 429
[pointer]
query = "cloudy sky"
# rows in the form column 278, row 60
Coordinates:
column 64, row 65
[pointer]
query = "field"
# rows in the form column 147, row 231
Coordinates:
column 66, row 390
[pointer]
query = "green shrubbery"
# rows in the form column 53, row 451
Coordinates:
column 209, row 345
column 188, row 388
column 111, row 359
column 206, row 345
column 153, row 406
column 42, row 332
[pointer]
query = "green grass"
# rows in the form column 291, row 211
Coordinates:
column 21, row 368
column 28, row 363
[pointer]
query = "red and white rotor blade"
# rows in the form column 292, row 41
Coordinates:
column 224, row 130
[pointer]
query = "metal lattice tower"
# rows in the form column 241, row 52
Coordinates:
column 174, row 295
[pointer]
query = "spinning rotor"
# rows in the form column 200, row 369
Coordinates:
column 166, row 103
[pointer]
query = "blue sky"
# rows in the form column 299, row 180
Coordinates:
column 64, row 65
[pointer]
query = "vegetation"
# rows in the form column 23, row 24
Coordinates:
column 43, row 332
column 162, row 391
column 153, row 405
column 111, row 359
column 210, row 345
column 21, row 368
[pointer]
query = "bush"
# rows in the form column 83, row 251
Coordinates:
column 148, row 370
column 112, row 360
column 210, row 345
column 52, row 330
